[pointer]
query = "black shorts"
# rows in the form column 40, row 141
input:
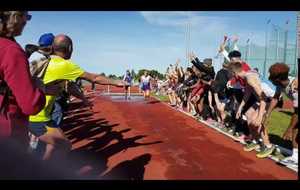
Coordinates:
column 39, row 128
column 250, row 103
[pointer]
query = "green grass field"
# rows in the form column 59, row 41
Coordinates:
column 277, row 126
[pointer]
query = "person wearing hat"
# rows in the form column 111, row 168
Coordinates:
column 44, row 47
column 60, row 69
column 205, row 73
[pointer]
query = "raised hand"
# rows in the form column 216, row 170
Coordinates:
column 191, row 56
column 235, row 39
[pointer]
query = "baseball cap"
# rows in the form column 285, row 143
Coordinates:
column 46, row 39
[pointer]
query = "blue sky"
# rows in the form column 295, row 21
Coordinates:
column 112, row 42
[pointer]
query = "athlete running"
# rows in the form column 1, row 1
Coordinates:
column 127, row 78
column 145, row 80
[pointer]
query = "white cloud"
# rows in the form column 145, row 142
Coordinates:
column 206, row 31
column 180, row 18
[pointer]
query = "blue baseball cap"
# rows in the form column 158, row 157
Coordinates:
column 46, row 40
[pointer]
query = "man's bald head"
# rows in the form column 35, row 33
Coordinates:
column 62, row 44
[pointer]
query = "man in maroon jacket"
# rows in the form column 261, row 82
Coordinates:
column 20, row 96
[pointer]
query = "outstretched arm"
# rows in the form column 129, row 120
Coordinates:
column 102, row 80
column 235, row 40
column 222, row 49
column 75, row 90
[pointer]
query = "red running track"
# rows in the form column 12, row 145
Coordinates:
column 149, row 140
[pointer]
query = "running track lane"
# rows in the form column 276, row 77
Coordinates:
column 149, row 140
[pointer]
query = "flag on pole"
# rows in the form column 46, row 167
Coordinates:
column 269, row 21
column 248, row 40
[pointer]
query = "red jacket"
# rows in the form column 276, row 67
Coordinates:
column 26, row 99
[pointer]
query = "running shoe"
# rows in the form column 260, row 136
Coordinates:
column 243, row 139
column 220, row 125
column 230, row 131
column 265, row 152
column 290, row 161
column 251, row 146
column 32, row 146
column 225, row 128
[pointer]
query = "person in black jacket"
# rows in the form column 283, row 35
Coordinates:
column 220, row 92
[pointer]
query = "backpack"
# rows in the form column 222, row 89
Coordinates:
column 38, row 67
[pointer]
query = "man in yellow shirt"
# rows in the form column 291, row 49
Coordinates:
column 59, row 70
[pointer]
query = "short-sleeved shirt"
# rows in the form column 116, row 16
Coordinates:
column 145, row 79
column 222, row 77
column 291, row 94
column 58, row 69
column 127, row 78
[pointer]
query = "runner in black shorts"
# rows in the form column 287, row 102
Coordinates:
column 255, row 114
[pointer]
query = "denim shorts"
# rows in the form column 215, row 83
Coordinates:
column 39, row 128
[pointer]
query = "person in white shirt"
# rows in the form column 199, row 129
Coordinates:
column 145, row 80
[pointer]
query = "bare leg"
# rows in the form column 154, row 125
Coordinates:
column 265, row 136
column 57, row 144
column 200, row 105
column 126, row 91
column 251, row 115
column 220, row 107
column 295, row 136
column 129, row 89
column 293, row 124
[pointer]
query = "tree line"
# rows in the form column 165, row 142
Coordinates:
column 153, row 73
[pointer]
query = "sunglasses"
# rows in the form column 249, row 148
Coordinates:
column 22, row 14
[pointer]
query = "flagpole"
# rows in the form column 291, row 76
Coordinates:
column 247, row 50
column 266, row 49
column 285, row 41
column 298, row 43
column 277, row 39
column 189, row 39
column 186, row 44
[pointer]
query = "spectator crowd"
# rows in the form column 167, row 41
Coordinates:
column 34, row 96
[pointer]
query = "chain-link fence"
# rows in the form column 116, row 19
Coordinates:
column 281, row 47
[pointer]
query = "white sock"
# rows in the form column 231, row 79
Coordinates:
column 295, row 153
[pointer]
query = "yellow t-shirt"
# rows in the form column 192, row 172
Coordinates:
column 58, row 69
